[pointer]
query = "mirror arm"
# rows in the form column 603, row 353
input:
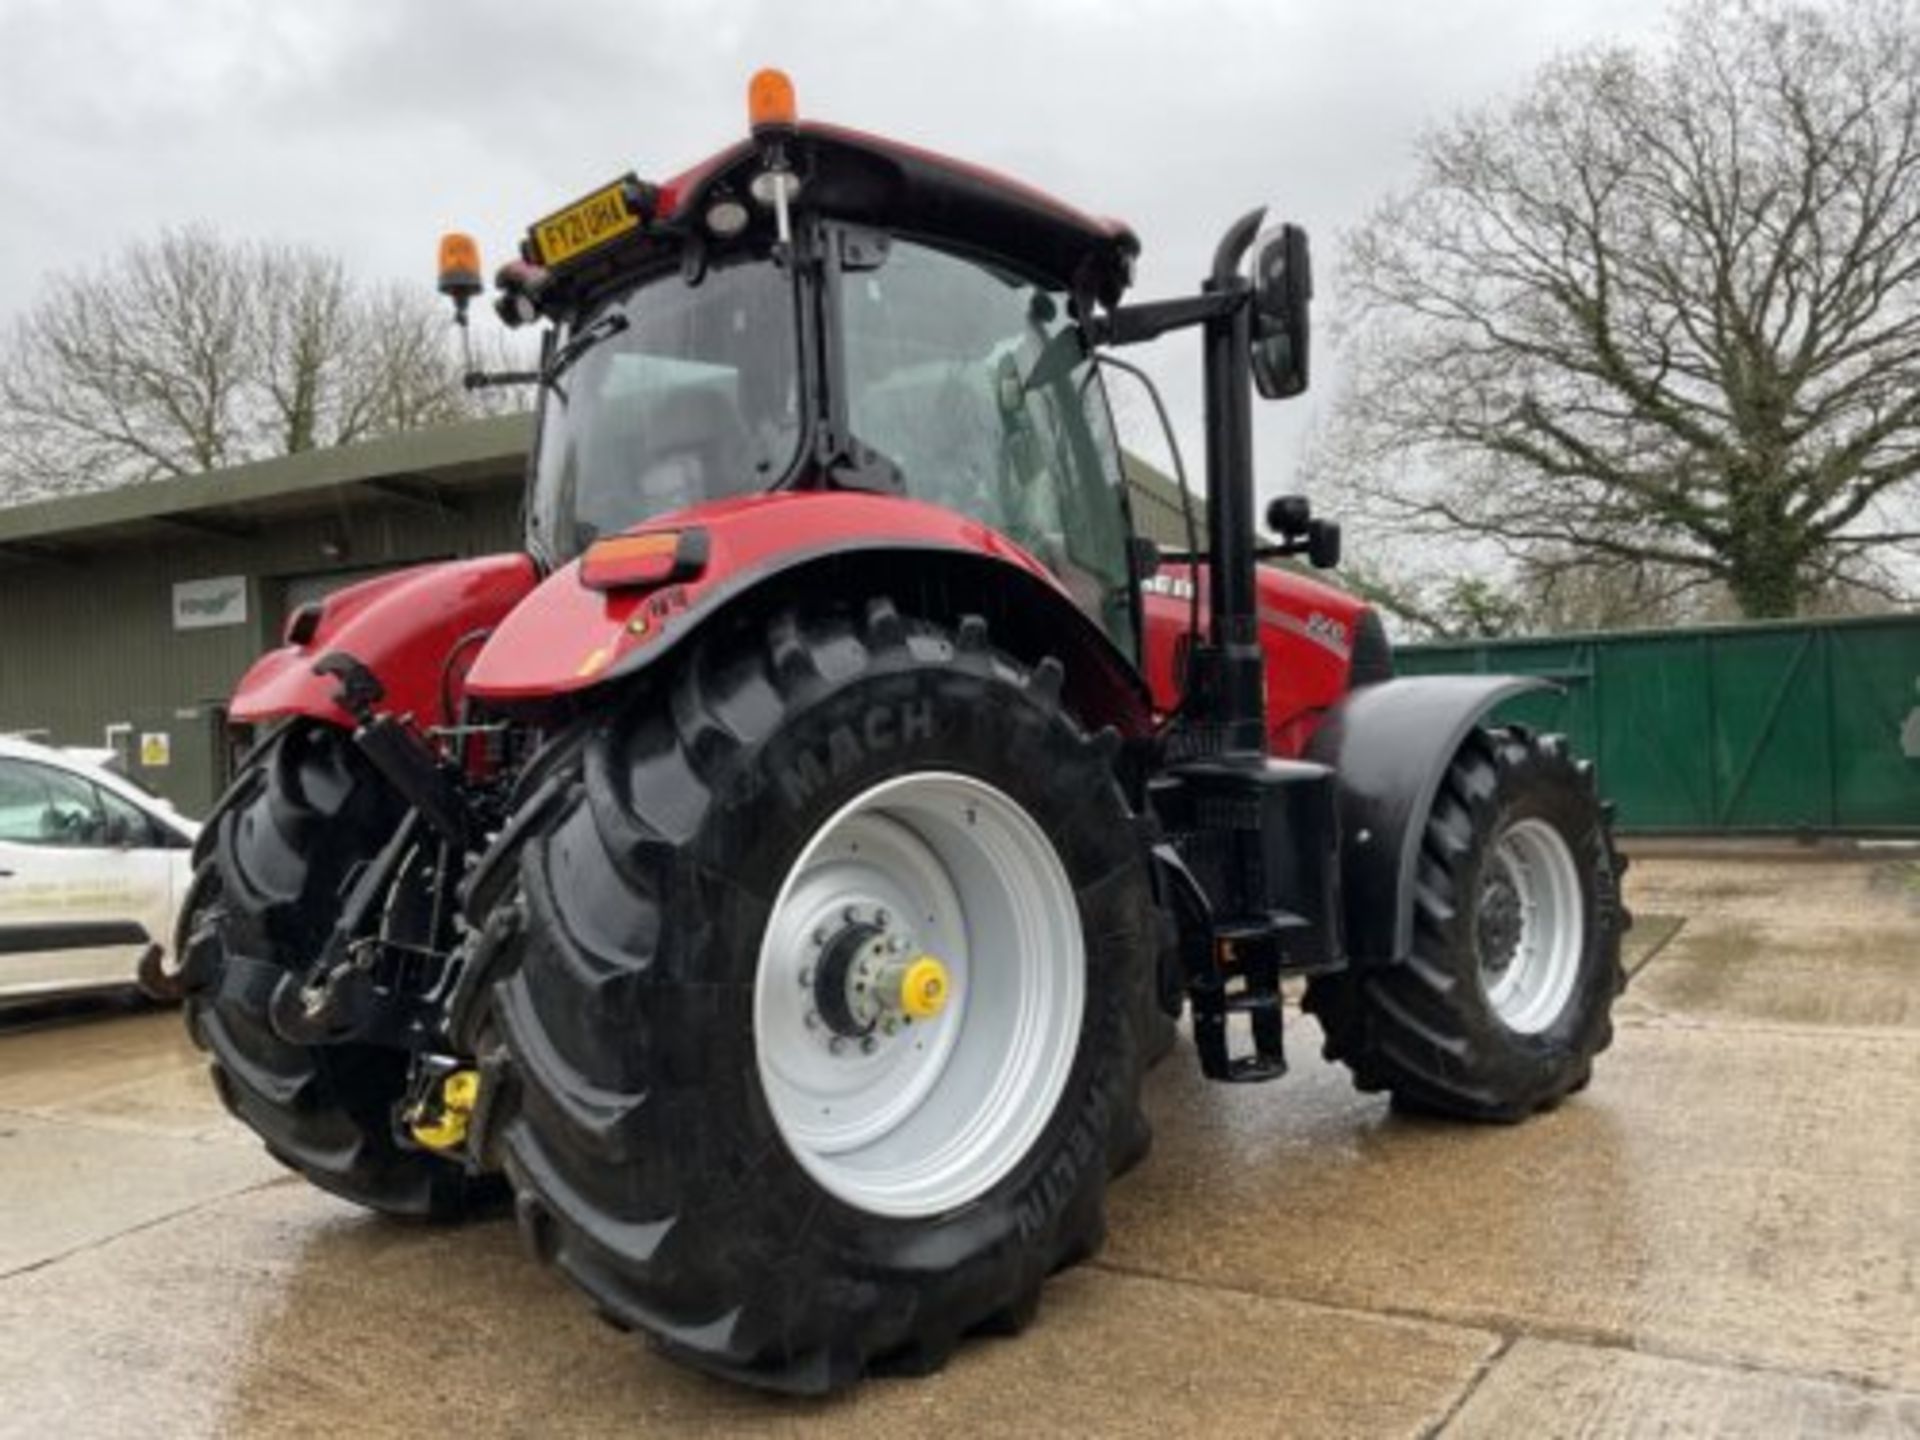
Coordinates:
column 1132, row 324
column 489, row 379
column 1278, row 550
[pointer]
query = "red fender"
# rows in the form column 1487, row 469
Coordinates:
column 403, row 627
column 1306, row 628
column 567, row 639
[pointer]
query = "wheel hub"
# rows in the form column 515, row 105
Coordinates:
column 1531, row 925
column 870, row 981
column 1501, row 920
column 918, row 1003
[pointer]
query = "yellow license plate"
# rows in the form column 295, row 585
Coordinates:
column 585, row 225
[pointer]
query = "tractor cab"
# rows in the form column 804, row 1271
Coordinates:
column 822, row 309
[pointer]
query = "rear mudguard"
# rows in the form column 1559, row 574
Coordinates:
column 1390, row 745
column 568, row 641
column 405, row 627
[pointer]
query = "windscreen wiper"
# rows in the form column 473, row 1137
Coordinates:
column 584, row 339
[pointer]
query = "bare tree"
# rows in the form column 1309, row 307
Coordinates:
column 132, row 373
column 1660, row 314
column 191, row 353
column 409, row 379
column 1459, row 607
column 302, row 340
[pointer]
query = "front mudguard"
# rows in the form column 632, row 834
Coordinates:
column 1391, row 745
column 408, row 628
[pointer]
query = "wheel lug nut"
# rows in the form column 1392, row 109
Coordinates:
column 813, row 1021
column 806, row 979
column 850, row 915
column 882, row 919
column 820, row 936
column 868, row 1045
column 836, row 1045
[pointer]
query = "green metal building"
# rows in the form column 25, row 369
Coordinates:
column 126, row 616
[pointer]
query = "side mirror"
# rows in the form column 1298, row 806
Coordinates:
column 1291, row 518
column 1282, row 302
column 117, row 833
column 1289, row 515
column 1323, row 544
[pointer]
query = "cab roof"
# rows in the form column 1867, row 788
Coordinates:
column 871, row 180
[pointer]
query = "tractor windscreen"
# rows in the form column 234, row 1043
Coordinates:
column 665, row 395
column 971, row 380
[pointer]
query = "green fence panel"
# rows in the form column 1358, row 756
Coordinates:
column 1875, row 689
column 1772, row 755
column 1810, row 726
column 1655, row 726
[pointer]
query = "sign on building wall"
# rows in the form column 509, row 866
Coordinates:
column 203, row 604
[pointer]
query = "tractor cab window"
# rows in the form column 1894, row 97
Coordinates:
column 943, row 376
column 668, row 394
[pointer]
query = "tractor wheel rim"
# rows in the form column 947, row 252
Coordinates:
column 926, row 1115
column 1529, row 975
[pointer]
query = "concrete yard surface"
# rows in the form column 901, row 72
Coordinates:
column 1721, row 1236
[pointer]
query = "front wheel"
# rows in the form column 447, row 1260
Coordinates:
column 820, row 1000
column 1508, row 993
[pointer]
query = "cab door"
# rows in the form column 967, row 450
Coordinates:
column 77, row 901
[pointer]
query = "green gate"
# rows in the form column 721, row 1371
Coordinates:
column 1792, row 726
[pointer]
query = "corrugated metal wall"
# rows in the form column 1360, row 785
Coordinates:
column 90, row 642
column 1808, row 726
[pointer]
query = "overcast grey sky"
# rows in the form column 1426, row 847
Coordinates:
column 366, row 127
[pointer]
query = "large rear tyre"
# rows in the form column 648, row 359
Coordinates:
column 266, row 890
column 1508, row 994
column 733, row 1128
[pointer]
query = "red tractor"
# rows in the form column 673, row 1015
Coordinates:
column 778, row 877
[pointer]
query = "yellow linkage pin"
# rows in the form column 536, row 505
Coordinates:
column 459, row 1092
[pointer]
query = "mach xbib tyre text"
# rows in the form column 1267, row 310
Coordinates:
column 735, row 1124
column 1508, row 994
column 271, row 869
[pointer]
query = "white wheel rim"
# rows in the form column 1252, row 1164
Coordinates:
column 936, row 1113
column 1530, row 955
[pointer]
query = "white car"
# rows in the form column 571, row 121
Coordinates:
column 92, row 873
